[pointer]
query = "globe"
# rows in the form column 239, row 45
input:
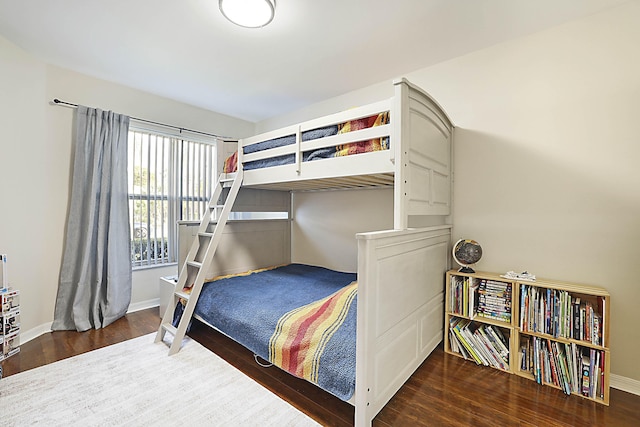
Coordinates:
column 467, row 252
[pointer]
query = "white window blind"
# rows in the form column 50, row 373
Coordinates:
column 170, row 179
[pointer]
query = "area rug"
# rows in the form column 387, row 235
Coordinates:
column 136, row 383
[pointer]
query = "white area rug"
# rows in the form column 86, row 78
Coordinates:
column 135, row 383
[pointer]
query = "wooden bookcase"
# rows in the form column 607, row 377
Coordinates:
column 555, row 333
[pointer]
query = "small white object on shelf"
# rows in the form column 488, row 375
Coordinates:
column 512, row 275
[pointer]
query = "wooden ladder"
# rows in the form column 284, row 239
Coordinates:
column 193, row 272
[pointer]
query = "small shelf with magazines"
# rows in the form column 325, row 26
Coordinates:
column 478, row 318
column 10, row 322
column 485, row 344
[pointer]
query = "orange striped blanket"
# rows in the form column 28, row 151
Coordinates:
column 302, row 334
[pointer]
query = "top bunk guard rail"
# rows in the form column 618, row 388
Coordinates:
column 324, row 142
column 417, row 162
column 311, row 175
column 332, row 119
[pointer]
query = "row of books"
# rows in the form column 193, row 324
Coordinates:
column 572, row 368
column 560, row 314
column 494, row 300
column 484, row 344
column 470, row 297
column 462, row 295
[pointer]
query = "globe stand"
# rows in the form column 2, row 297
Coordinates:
column 466, row 269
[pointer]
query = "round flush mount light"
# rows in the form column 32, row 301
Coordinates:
column 248, row 13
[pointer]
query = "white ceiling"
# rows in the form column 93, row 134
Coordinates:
column 313, row 50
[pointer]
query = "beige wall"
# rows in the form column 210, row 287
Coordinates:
column 546, row 158
column 35, row 163
column 325, row 224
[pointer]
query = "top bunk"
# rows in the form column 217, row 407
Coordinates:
column 403, row 142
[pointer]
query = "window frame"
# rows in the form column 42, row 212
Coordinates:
column 181, row 160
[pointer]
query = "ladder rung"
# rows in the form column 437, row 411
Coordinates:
column 183, row 295
column 203, row 234
column 195, row 264
column 170, row 328
column 216, row 206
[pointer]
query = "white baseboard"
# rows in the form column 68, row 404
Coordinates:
column 32, row 333
column 143, row 305
column 625, row 384
column 35, row 332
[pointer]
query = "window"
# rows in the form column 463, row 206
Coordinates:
column 170, row 179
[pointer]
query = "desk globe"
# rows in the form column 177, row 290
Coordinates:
column 467, row 252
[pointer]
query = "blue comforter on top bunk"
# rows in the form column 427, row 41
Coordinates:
column 262, row 311
column 288, row 140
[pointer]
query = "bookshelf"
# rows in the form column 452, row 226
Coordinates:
column 554, row 333
column 10, row 321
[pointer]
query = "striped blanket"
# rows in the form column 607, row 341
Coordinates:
column 302, row 334
column 376, row 144
column 300, row 317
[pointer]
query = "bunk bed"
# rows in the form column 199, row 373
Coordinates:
column 395, row 321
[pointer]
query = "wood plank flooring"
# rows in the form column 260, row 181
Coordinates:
column 444, row 391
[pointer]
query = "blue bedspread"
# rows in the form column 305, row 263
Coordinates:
column 248, row 308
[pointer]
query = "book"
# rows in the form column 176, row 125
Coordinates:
column 490, row 353
column 4, row 275
column 602, row 308
column 457, row 327
column 601, row 390
column 564, row 371
column 554, row 364
column 586, row 375
column 471, row 309
column 575, row 315
column 500, row 342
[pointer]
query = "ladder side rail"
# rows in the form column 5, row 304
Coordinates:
column 208, row 257
column 167, row 317
column 216, row 238
column 213, row 241
column 195, row 245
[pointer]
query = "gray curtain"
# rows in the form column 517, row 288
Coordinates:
column 95, row 279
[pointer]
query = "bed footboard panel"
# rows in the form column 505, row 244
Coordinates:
column 400, row 306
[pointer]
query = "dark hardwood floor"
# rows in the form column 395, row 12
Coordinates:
column 444, row 391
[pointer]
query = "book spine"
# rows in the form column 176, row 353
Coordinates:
column 576, row 319
column 585, row 375
column 4, row 275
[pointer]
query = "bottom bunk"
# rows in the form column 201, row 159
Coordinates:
column 360, row 341
column 299, row 317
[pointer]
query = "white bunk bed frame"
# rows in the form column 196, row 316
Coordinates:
column 401, row 271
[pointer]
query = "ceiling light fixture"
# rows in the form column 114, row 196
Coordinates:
column 248, row 13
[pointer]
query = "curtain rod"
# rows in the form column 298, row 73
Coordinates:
column 224, row 138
